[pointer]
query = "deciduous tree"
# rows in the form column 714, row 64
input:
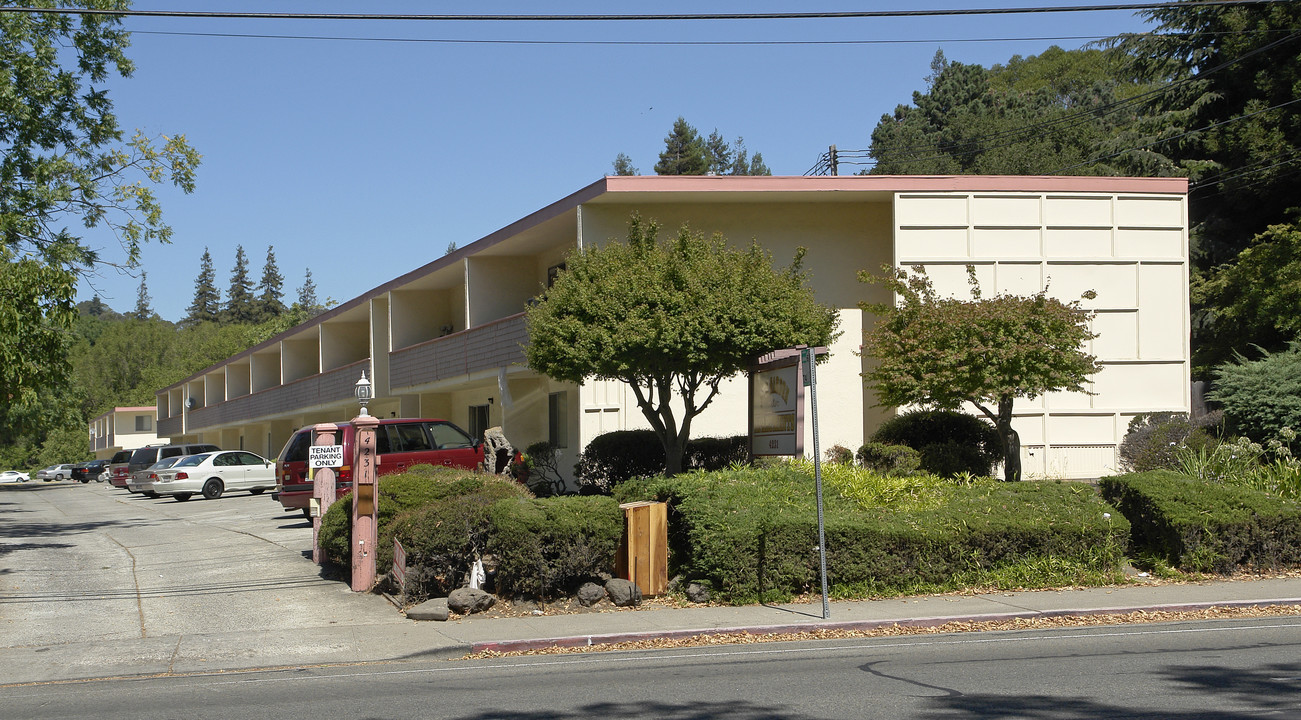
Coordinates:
column 941, row 352
column 672, row 319
column 65, row 164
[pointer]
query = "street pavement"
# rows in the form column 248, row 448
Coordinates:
column 58, row 625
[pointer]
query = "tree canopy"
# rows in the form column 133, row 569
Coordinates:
column 1051, row 114
column 65, row 164
column 686, row 152
column 942, row 352
column 672, row 319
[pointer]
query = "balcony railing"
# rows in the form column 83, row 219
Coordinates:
column 328, row 387
column 487, row 347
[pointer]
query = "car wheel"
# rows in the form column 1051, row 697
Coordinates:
column 212, row 489
column 181, row 497
column 83, row 482
column 257, row 491
column 307, row 513
column 150, row 493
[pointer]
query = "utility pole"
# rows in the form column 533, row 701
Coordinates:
column 833, row 160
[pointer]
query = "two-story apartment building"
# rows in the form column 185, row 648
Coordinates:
column 444, row 339
column 122, row 428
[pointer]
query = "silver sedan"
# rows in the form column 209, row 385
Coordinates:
column 214, row 473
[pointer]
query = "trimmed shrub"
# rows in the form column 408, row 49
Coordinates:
column 1261, row 397
column 1204, row 526
column 445, row 536
column 419, row 486
column 951, row 459
column 716, row 453
column 616, row 457
column 752, row 533
column 546, row 548
column 839, row 455
column 895, row 460
column 919, row 429
column 1153, row 440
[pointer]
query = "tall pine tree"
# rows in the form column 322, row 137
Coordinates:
column 271, row 292
column 307, row 295
column 206, row 306
column 143, row 311
column 684, row 151
column 239, row 298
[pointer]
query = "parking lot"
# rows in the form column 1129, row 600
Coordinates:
column 94, row 564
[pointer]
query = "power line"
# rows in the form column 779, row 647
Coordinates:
column 645, row 43
column 639, row 17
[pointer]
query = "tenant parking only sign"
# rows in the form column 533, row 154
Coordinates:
column 325, row 456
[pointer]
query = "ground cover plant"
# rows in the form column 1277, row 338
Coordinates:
column 751, row 533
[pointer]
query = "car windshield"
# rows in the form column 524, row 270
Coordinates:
column 164, row 463
column 192, row 460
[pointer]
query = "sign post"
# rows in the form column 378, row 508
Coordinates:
column 365, row 503
column 809, row 360
column 777, row 382
column 323, row 490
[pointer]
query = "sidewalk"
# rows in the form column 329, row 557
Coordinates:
column 388, row 641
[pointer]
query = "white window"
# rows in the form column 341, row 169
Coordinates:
column 144, row 423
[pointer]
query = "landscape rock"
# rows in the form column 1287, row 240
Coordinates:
column 590, row 594
column 623, row 593
column 435, row 609
column 467, row 601
column 697, row 593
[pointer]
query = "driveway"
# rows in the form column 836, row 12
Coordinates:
column 92, row 564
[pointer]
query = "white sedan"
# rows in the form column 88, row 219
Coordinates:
column 214, row 473
column 13, row 476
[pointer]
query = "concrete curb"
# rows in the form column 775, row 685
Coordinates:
column 613, row 638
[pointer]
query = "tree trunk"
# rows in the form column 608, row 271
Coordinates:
column 1011, row 441
column 673, row 451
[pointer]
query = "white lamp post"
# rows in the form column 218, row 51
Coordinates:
column 364, row 393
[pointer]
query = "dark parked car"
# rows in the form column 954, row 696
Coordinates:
column 87, row 471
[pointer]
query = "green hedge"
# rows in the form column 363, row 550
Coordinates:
column 1206, row 527
column 752, row 533
column 419, row 486
column 448, row 518
column 550, row 546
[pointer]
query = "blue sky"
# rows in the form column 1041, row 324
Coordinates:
column 363, row 159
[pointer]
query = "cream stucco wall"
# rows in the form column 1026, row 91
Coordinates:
column 840, row 238
column 1130, row 249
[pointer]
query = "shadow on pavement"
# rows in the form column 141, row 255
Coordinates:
column 1267, row 691
column 661, row 710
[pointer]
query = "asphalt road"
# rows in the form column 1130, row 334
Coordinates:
column 1238, row 669
column 93, row 563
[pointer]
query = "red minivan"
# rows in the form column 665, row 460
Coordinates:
column 399, row 442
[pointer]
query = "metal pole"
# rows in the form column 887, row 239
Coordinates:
column 817, row 476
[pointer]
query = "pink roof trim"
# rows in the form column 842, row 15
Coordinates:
column 895, row 183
